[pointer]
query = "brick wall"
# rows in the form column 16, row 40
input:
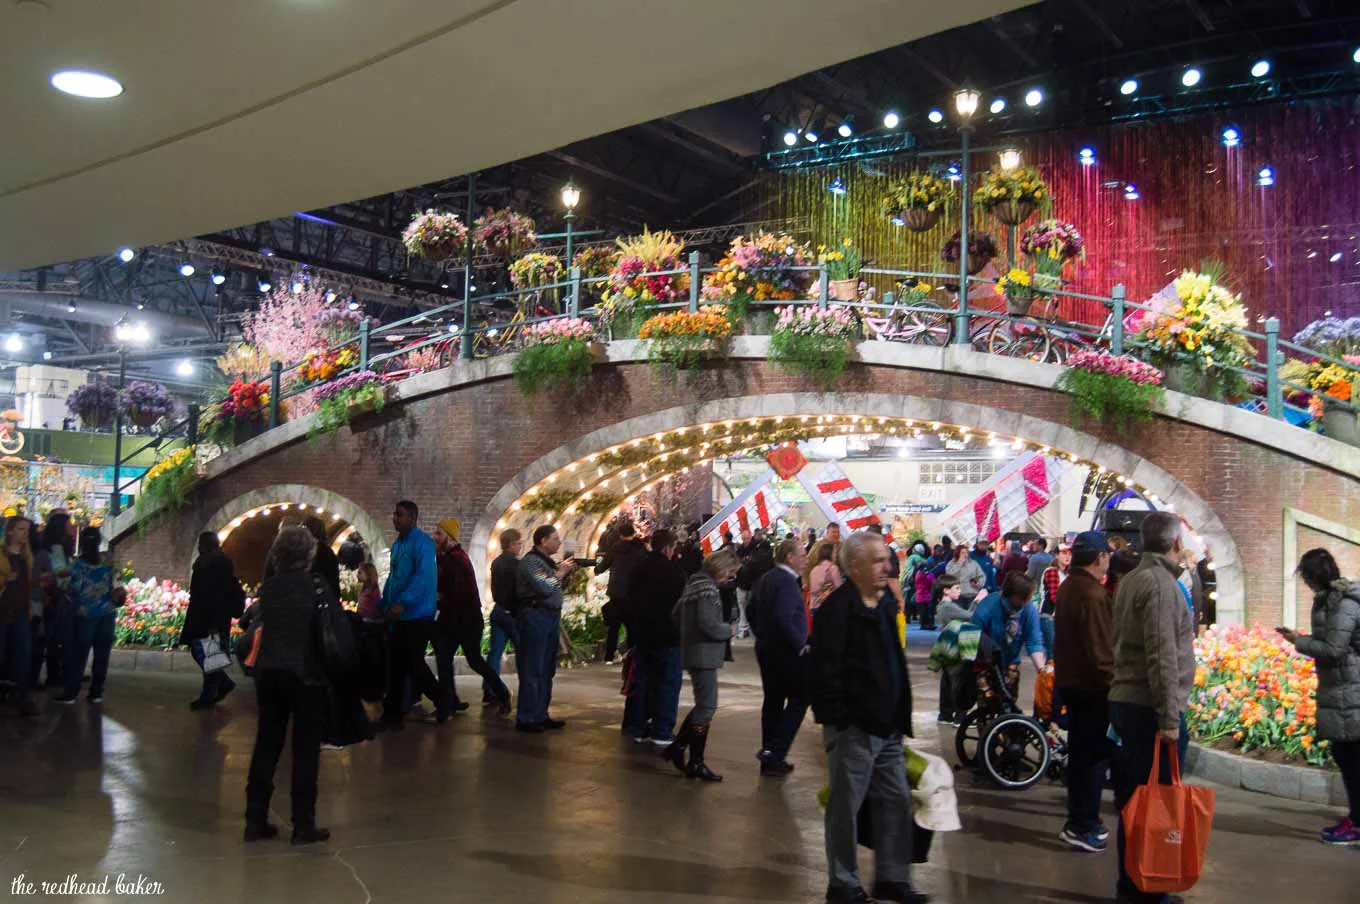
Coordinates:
column 452, row 452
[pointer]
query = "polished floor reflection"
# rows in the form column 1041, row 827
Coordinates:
column 476, row 812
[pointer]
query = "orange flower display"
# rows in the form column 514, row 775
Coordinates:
column 684, row 339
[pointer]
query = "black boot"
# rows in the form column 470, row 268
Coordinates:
column 697, row 768
column 675, row 753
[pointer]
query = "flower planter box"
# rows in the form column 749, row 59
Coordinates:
column 1341, row 424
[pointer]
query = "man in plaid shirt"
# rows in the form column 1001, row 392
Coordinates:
column 1054, row 575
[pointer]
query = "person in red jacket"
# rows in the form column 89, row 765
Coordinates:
column 459, row 622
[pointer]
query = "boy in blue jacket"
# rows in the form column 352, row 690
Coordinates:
column 1009, row 624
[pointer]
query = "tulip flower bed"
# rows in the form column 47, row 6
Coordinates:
column 1254, row 694
column 153, row 615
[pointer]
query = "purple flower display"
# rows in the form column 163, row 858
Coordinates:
column 360, row 380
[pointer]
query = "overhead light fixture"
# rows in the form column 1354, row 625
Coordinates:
column 83, row 83
column 47, row 356
column 185, row 368
column 1034, row 97
column 1191, row 77
column 898, row 221
column 998, row 105
column 845, row 129
column 935, row 116
column 571, row 195
column 1232, row 137
column 218, row 278
column 1260, row 69
column 837, row 186
column 1131, row 192
column 70, row 307
column 1334, row 258
column 264, row 285
column 295, row 287
column 1355, row 57
column 186, row 269
column 810, row 136
column 953, row 173
column 127, row 331
column 14, row 343
column 1130, row 86
column 126, row 255
column 353, row 303
column 966, row 102
column 1087, row 156
column 330, row 296
column 891, row 120
column 790, row 138
column 1265, row 176
column 1010, row 159
column 455, row 329
column 141, row 305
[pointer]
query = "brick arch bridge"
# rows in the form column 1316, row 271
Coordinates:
column 463, row 442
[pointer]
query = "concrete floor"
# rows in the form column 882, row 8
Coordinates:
column 474, row 811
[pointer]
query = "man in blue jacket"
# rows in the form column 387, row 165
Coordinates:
column 409, row 606
column 1010, row 624
column 778, row 618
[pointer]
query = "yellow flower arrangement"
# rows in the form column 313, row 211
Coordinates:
column 167, row 482
column 1199, row 322
column 920, row 190
column 1017, row 186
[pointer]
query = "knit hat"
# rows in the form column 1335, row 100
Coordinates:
column 452, row 527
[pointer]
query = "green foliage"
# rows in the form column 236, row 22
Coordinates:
column 552, row 364
column 823, row 358
column 334, row 413
column 685, row 352
column 599, row 504
column 1108, row 398
column 551, row 501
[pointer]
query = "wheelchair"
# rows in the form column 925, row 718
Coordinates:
column 995, row 737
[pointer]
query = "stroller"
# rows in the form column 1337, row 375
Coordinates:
column 997, row 738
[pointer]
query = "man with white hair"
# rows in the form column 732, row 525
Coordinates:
column 862, row 698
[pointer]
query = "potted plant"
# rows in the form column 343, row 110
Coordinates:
column 1113, row 389
column 146, row 403
column 642, row 279
column 761, row 267
column 167, row 482
column 323, row 364
column 1018, row 287
column 342, row 400
column 1012, row 195
column 536, row 270
column 1335, row 386
column 842, row 270
column 1194, row 331
column 683, row 340
column 595, row 262
column 557, row 352
column 242, row 415
column 918, row 200
column 95, row 403
column 503, row 234
column 434, row 235
column 813, row 341
column 981, row 251
column 1050, row 245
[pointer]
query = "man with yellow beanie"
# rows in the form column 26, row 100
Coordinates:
column 459, row 622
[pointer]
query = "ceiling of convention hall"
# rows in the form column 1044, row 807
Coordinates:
column 234, row 113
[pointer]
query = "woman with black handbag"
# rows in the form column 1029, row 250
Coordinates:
column 215, row 598
column 296, row 618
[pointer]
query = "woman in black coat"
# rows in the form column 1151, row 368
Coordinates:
column 215, row 598
column 290, row 684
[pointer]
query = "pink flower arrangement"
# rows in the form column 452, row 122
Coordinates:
column 1053, row 239
column 562, row 329
column 503, row 233
column 434, row 235
column 1117, row 366
column 834, row 321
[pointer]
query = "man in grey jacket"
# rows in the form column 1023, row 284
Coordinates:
column 540, row 581
column 1154, row 668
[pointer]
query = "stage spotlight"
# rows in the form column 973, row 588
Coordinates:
column 1034, row 97
column 790, row 138
column 935, row 116
column 218, row 278
column 353, row 303
column 185, row 368
column 810, row 136
column 1266, row 176
column 898, row 221
column 1260, row 69
column 70, row 307
column 265, row 285
column 953, row 174
column 1232, row 137
column 891, row 120
column 330, row 296
column 1131, row 192
column 837, row 186
column 1191, row 77
column 1334, row 258
column 296, row 286
column 1087, row 155
column 998, row 105
column 1356, row 56
column 126, row 255
column 14, row 343
column 1130, row 86
column 845, row 129
column 186, row 269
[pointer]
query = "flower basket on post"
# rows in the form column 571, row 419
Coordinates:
column 918, row 201
column 1012, row 196
column 1050, row 245
column 240, row 416
column 435, row 236
column 684, row 340
column 1013, row 213
column 1018, row 287
column 557, row 354
column 813, row 341
column 96, row 404
column 1112, row 389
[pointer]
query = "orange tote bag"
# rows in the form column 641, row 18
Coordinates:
column 1166, row 830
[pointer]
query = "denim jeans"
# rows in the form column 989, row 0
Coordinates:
column 89, row 634
column 654, row 698
column 214, row 683
column 538, row 635
column 1136, row 727
column 16, row 641
column 503, row 631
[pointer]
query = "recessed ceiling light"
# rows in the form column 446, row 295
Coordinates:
column 81, row 83
column 935, row 116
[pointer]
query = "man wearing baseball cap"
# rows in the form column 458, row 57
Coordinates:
column 1083, row 662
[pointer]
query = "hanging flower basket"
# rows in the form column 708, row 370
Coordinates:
column 435, row 236
column 920, row 220
column 1013, row 213
column 94, row 403
column 844, row 289
column 981, row 251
